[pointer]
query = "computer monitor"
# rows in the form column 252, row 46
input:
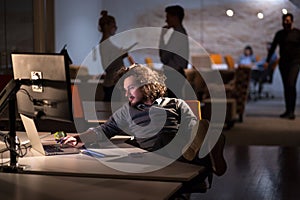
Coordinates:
column 45, row 86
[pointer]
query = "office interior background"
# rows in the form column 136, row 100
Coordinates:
column 48, row 25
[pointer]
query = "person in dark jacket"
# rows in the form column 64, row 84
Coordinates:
column 288, row 40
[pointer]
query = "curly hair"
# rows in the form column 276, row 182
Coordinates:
column 151, row 82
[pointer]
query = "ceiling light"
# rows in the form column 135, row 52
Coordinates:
column 229, row 13
column 284, row 11
column 260, row 15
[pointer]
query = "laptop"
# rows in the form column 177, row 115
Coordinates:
column 45, row 149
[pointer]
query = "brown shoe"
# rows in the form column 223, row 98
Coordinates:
column 191, row 152
column 219, row 165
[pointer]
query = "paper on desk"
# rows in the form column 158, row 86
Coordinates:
column 117, row 152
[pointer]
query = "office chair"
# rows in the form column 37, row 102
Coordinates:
column 149, row 62
column 268, row 79
column 262, row 78
column 216, row 58
column 229, row 61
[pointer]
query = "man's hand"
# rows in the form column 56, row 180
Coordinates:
column 71, row 140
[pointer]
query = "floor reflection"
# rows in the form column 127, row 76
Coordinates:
column 257, row 172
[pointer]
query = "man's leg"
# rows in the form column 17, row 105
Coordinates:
column 284, row 77
column 291, row 89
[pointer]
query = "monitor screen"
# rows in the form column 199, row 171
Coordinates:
column 45, row 87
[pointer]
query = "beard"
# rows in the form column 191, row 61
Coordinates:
column 137, row 101
column 287, row 26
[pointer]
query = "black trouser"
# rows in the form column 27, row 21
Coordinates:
column 289, row 75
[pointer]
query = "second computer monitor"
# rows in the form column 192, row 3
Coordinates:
column 45, row 88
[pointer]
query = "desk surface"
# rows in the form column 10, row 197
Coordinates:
column 36, row 187
column 82, row 165
column 86, row 166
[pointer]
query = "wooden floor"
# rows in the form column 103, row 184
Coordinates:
column 262, row 169
column 257, row 173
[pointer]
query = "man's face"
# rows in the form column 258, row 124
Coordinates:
column 170, row 20
column 287, row 23
column 133, row 91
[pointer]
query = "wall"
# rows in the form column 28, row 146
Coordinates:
column 76, row 24
column 205, row 21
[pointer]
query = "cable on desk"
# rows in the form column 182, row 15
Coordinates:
column 20, row 150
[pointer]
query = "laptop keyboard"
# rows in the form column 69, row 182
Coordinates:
column 52, row 148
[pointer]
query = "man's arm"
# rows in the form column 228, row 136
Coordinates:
column 273, row 46
column 99, row 133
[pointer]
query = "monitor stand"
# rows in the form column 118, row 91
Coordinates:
column 8, row 95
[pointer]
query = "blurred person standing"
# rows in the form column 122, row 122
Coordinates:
column 174, row 53
column 288, row 40
column 111, row 55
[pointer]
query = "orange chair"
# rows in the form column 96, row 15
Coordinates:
column 149, row 62
column 257, row 58
column 77, row 103
column 196, row 107
column 216, row 58
column 229, row 61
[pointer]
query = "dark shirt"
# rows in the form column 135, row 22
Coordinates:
column 289, row 46
column 175, row 53
column 152, row 126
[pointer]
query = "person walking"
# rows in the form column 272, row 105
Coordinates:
column 288, row 40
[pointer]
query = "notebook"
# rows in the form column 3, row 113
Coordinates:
column 45, row 149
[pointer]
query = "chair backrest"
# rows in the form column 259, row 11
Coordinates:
column 257, row 58
column 196, row 107
column 229, row 61
column 149, row 62
column 201, row 61
column 242, row 83
column 77, row 103
column 216, row 58
column 268, row 77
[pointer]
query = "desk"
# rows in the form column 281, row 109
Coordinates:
column 36, row 187
column 81, row 165
column 86, row 175
column 85, row 166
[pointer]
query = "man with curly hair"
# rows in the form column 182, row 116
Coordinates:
column 162, row 125
column 154, row 120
